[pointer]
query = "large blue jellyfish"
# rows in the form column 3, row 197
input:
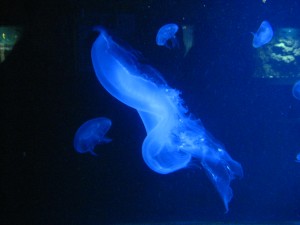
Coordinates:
column 173, row 138
column 166, row 36
column 296, row 90
column 263, row 35
column 90, row 134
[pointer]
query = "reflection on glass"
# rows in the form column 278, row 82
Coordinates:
column 188, row 37
column 9, row 35
column 281, row 57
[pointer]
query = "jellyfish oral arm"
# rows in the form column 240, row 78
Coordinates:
column 222, row 169
column 173, row 138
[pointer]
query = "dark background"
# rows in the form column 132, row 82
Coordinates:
column 48, row 89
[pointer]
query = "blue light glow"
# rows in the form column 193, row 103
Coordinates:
column 173, row 137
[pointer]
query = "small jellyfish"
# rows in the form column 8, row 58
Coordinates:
column 263, row 35
column 298, row 158
column 296, row 90
column 166, row 36
column 90, row 134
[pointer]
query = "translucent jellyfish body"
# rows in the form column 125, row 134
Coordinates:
column 174, row 139
column 296, row 90
column 298, row 158
column 263, row 35
column 90, row 134
column 166, row 36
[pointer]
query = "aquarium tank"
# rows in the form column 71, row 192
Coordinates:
column 141, row 112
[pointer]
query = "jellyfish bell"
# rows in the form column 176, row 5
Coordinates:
column 92, row 133
column 298, row 158
column 166, row 36
column 296, row 90
column 263, row 35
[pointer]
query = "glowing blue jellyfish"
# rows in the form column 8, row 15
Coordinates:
column 174, row 139
column 263, row 35
column 166, row 36
column 90, row 134
column 296, row 90
column 298, row 158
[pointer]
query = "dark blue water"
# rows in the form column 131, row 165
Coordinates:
column 48, row 89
